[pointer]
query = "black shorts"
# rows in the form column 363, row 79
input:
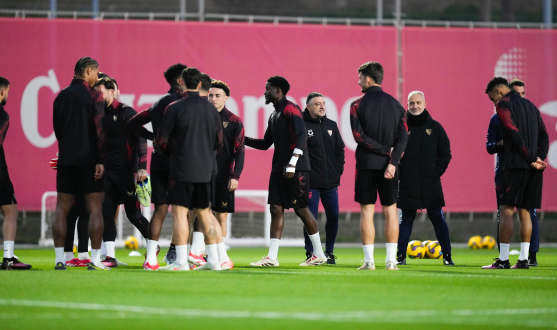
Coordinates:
column 193, row 195
column 289, row 193
column 159, row 187
column 522, row 188
column 224, row 199
column 7, row 194
column 371, row 182
column 78, row 178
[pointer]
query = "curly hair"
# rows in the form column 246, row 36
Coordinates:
column 222, row 85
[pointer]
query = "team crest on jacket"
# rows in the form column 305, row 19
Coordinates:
column 115, row 117
column 330, row 132
column 428, row 131
column 409, row 132
column 225, row 124
column 310, row 132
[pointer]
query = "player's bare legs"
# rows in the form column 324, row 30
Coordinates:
column 367, row 228
column 222, row 218
column 213, row 236
column 157, row 220
column 307, row 218
column 391, row 224
column 277, row 221
column 9, row 229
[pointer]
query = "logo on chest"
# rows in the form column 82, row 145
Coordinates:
column 115, row 117
column 428, row 131
column 330, row 131
column 310, row 133
column 225, row 124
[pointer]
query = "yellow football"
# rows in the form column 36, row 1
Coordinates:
column 415, row 250
column 131, row 243
column 475, row 242
column 488, row 242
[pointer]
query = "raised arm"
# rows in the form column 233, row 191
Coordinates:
column 262, row 144
column 507, row 121
column 360, row 137
column 135, row 125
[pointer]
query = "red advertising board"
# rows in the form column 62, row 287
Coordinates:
column 452, row 67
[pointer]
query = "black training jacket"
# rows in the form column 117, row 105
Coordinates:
column 230, row 160
column 286, row 129
column 77, row 121
column 378, row 124
column 4, row 125
column 159, row 161
column 525, row 137
column 425, row 159
column 190, row 134
column 326, row 152
column 124, row 151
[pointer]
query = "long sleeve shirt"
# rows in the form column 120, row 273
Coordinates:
column 287, row 131
column 124, row 151
column 378, row 124
column 154, row 115
column 77, row 122
column 4, row 125
column 190, row 134
column 230, row 160
column 495, row 134
column 526, row 137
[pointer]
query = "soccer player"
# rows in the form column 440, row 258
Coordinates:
column 123, row 150
column 160, row 164
column 8, row 203
column 190, row 126
column 426, row 158
column 526, row 145
column 77, row 121
column 230, row 160
column 198, row 244
column 379, row 127
column 495, row 145
column 326, row 156
column 288, row 184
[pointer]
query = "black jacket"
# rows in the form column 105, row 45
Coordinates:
column 77, row 121
column 190, row 133
column 425, row 159
column 4, row 124
column 326, row 152
column 230, row 160
column 525, row 137
column 378, row 124
column 286, row 129
column 159, row 161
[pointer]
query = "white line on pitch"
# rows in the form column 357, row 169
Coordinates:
column 359, row 316
column 368, row 273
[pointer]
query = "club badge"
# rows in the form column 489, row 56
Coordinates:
column 115, row 117
column 428, row 131
column 310, row 132
column 330, row 132
column 225, row 124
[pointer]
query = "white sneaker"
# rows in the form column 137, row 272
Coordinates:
column 314, row 261
column 265, row 262
column 367, row 266
column 391, row 265
column 208, row 266
column 119, row 263
column 176, row 266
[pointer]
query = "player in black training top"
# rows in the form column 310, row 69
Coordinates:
column 123, row 151
column 288, row 184
column 191, row 133
column 526, row 145
column 160, row 164
column 77, row 121
column 8, row 204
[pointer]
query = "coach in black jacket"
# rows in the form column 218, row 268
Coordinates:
column 425, row 159
column 326, row 156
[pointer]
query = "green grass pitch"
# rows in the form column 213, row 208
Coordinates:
column 423, row 295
